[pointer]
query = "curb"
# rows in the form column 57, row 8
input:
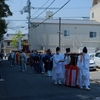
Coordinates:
column 95, row 81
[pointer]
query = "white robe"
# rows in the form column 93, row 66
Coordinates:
column 86, row 73
column 80, row 72
column 57, row 70
column 67, row 60
column 83, row 73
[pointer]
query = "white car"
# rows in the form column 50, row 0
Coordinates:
column 97, row 59
column 92, row 62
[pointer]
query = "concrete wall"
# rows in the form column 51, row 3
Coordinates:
column 46, row 36
column 8, row 49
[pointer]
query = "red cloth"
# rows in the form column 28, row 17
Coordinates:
column 17, row 57
column 71, row 75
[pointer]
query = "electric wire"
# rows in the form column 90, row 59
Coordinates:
column 55, row 12
column 78, row 8
column 40, row 7
column 45, row 9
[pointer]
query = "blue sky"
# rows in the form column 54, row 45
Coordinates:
column 74, row 9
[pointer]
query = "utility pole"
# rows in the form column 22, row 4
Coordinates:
column 60, row 32
column 29, row 17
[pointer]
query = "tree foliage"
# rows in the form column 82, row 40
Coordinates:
column 3, row 26
column 4, row 12
column 18, row 35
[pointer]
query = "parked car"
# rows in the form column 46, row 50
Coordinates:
column 97, row 59
column 92, row 62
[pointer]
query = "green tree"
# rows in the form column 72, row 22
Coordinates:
column 4, row 12
column 3, row 27
column 18, row 35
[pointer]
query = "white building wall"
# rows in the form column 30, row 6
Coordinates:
column 46, row 36
column 95, row 12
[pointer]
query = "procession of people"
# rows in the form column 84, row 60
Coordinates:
column 54, row 65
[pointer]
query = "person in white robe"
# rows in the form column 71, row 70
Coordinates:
column 83, row 73
column 80, row 73
column 57, row 70
column 86, row 73
column 67, row 60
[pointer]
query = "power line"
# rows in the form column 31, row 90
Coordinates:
column 64, row 8
column 36, row 11
column 16, row 20
column 55, row 12
column 41, row 7
column 60, row 8
column 45, row 9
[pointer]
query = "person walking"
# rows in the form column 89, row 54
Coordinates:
column 44, row 60
column 1, row 56
column 31, row 59
column 49, row 62
column 41, row 63
column 67, row 60
column 83, row 73
column 57, row 72
column 5, row 55
column 12, row 58
column 80, row 71
column 86, row 73
column 17, row 57
column 23, row 61
column 37, row 62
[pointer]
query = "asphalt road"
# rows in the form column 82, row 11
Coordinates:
column 95, row 75
column 31, row 86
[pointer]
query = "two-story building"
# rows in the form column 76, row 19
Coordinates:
column 7, row 42
column 95, row 11
column 74, row 34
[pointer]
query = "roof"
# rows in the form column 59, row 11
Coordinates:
column 10, row 36
column 65, row 21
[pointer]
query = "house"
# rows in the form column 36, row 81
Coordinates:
column 7, row 48
column 95, row 11
column 74, row 34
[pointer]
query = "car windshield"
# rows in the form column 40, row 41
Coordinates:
column 97, row 54
column 92, row 56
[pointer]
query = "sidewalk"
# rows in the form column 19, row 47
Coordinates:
column 31, row 86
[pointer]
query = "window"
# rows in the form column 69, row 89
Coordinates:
column 92, row 56
column 92, row 34
column 97, row 54
column 66, row 33
column 8, row 43
column 92, row 14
